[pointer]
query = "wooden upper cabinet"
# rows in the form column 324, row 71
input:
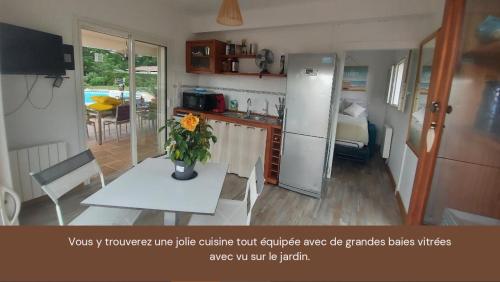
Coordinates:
column 204, row 56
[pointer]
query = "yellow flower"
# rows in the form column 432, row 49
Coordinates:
column 190, row 122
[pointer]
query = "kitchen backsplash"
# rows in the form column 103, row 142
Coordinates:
column 260, row 91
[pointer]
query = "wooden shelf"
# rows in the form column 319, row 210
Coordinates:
column 239, row 56
column 253, row 74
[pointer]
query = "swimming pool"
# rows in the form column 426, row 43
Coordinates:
column 89, row 93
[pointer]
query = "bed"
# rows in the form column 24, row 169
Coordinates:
column 356, row 136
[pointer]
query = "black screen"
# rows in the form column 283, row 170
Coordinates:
column 27, row 51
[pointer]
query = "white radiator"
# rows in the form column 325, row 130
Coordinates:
column 386, row 142
column 33, row 159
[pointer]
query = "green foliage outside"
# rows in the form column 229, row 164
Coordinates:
column 114, row 69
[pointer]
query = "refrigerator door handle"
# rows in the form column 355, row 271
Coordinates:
column 283, row 133
column 284, row 119
column 282, row 143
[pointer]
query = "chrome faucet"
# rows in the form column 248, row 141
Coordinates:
column 266, row 109
column 249, row 103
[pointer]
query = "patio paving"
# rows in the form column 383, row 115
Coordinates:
column 114, row 156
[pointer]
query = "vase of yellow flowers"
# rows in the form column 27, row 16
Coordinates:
column 188, row 142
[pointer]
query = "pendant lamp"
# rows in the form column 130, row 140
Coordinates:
column 229, row 13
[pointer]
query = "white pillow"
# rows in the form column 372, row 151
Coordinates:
column 354, row 110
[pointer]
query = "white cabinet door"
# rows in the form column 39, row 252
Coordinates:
column 214, row 148
column 238, row 145
column 252, row 147
column 234, row 147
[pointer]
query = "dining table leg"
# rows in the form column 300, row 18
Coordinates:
column 169, row 218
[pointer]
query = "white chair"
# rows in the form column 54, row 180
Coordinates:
column 10, row 206
column 66, row 175
column 234, row 212
column 259, row 175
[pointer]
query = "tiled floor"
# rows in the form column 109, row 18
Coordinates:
column 114, row 156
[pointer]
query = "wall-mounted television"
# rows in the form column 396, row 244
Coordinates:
column 27, row 51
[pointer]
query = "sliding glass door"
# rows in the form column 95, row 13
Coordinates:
column 124, row 96
column 106, row 100
column 148, row 88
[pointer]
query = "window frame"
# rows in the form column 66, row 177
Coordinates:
column 393, row 84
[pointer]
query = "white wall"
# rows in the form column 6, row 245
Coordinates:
column 59, row 122
column 400, row 33
column 399, row 121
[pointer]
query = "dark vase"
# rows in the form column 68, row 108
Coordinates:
column 182, row 171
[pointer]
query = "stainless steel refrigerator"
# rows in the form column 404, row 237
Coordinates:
column 306, row 122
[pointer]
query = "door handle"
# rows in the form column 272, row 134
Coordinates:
column 449, row 109
column 17, row 207
column 431, row 135
column 435, row 107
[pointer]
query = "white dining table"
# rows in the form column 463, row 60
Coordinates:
column 150, row 186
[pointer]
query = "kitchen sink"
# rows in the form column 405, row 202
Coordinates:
column 234, row 114
column 254, row 117
column 244, row 116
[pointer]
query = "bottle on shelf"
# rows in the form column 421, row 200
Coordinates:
column 235, row 64
column 282, row 64
column 244, row 47
column 228, row 47
column 232, row 49
column 226, row 65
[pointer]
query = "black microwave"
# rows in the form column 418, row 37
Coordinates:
column 195, row 100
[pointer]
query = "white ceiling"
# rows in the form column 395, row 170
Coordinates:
column 200, row 14
column 197, row 7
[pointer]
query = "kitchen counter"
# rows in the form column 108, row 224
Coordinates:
column 273, row 135
column 255, row 120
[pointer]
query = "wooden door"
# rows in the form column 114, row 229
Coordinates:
column 458, row 180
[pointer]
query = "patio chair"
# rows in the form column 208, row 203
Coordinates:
column 63, row 177
column 122, row 116
column 147, row 113
column 91, row 121
column 10, row 206
column 234, row 212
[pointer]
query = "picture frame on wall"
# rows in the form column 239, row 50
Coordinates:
column 355, row 79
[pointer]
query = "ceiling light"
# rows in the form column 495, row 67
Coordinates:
column 229, row 13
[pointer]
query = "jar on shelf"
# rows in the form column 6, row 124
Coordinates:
column 226, row 65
